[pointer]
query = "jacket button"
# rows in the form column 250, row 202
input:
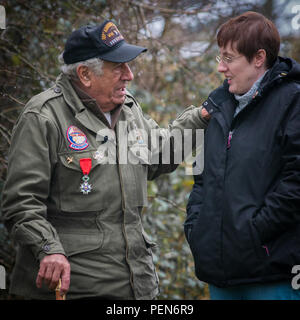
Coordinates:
column 57, row 90
column 46, row 248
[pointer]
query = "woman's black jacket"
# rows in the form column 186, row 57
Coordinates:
column 243, row 215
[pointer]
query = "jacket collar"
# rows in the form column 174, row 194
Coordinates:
column 69, row 94
column 222, row 101
column 83, row 114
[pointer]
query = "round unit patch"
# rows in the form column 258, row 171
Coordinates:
column 77, row 139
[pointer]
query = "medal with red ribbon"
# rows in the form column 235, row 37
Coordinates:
column 86, row 166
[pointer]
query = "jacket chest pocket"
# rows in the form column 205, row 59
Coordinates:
column 76, row 193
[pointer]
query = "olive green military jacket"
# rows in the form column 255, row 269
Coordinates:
column 97, row 225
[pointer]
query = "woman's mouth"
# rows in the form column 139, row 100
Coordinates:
column 228, row 80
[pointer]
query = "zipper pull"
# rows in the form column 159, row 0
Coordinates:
column 229, row 139
column 267, row 250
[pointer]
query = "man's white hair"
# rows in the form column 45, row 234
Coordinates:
column 70, row 70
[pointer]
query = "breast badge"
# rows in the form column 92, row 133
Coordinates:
column 86, row 166
column 77, row 139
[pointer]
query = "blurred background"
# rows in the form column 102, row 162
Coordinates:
column 178, row 69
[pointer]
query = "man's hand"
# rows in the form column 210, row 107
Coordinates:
column 52, row 268
column 204, row 114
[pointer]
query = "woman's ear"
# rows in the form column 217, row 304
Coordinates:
column 260, row 58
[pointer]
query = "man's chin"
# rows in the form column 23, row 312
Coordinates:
column 119, row 100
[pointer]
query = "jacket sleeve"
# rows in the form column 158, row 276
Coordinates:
column 281, row 209
column 31, row 162
column 194, row 205
column 178, row 137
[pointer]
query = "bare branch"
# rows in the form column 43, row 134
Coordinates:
column 4, row 134
column 7, row 118
column 13, row 99
column 43, row 75
column 165, row 10
column 174, row 204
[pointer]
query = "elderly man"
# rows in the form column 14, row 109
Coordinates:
column 71, row 204
column 243, row 213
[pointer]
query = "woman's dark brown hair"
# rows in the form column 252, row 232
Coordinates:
column 250, row 32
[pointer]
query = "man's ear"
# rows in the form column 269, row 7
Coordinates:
column 260, row 58
column 84, row 75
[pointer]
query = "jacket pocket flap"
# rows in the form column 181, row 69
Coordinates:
column 79, row 243
column 72, row 160
column 148, row 241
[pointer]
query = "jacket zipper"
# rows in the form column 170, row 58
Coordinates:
column 229, row 139
column 227, row 146
column 233, row 127
column 234, row 121
column 123, row 209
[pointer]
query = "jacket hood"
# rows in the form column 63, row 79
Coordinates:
column 284, row 67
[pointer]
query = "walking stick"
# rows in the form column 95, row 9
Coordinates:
column 57, row 293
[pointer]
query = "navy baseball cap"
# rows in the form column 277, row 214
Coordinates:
column 103, row 41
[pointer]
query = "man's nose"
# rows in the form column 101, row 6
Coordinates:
column 222, row 67
column 127, row 75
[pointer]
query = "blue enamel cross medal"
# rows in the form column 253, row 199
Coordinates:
column 85, row 165
column 85, row 187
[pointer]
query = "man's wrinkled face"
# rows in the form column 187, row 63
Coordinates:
column 239, row 72
column 109, row 88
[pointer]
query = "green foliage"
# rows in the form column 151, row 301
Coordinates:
column 163, row 220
